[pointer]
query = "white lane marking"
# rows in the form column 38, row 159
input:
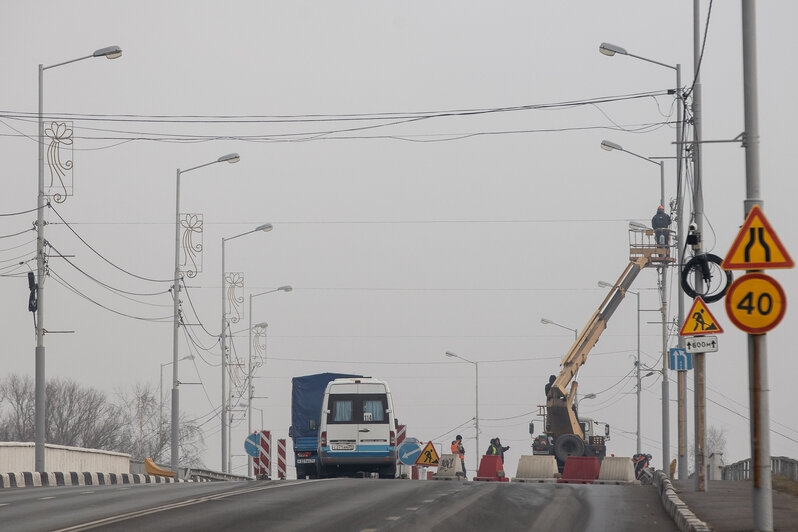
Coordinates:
column 369, row 530
column 5, row 504
column 392, row 518
column 45, row 498
column 173, row 506
column 428, row 500
column 412, row 509
column 86, row 492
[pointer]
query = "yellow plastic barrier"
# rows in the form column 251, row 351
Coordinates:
column 153, row 469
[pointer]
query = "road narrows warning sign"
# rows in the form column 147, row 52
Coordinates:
column 700, row 321
column 757, row 246
column 428, row 456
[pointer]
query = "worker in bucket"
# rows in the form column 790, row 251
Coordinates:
column 660, row 223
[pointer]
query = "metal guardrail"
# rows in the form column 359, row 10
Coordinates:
column 192, row 473
column 779, row 465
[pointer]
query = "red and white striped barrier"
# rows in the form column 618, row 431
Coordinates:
column 263, row 463
column 281, row 459
column 401, row 433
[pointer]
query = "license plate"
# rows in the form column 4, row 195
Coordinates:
column 305, row 461
column 342, row 447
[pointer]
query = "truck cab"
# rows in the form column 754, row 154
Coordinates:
column 358, row 429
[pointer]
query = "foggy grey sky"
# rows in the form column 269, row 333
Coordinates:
column 400, row 241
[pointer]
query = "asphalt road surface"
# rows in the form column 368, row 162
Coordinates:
column 357, row 505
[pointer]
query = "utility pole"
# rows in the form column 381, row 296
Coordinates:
column 666, row 394
column 757, row 343
column 699, row 360
column 681, row 375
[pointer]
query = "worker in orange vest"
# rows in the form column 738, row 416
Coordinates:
column 458, row 449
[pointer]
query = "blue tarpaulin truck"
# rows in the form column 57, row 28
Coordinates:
column 307, row 394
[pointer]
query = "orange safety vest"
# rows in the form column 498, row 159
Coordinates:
column 455, row 450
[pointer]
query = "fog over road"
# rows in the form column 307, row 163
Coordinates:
column 335, row 505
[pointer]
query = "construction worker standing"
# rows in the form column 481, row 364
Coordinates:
column 458, row 449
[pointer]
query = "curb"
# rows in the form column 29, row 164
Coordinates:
column 684, row 518
column 33, row 479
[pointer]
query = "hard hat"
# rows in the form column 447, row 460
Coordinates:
column 660, row 208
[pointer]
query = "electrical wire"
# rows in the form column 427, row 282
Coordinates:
column 193, row 309
column 20, row 212
column 703, row 46
column 16, row 234
column 118, row 291
column 452, row 430
column 18, row 246
column 192, row 119
column 60, row 280
column 100, row 254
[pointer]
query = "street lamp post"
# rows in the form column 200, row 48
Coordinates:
column 605, row 284
column 40, row 399
column 476, row 403
column 286, row 288
column 222, row 335
column 160, row 391
column 610, row 50
column 577, row 400
column 544, row 321
column 175, row 437
column 611, row 146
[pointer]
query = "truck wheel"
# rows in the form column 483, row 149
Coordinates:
column 568, row 445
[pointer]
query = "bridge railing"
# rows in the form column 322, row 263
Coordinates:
column 779, row 465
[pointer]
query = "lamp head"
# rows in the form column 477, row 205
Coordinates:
column 611, row 49
column 609, row 146
column 637, row 225
column 265, row 228
column 605, row 284
column 111, row 52
column 286, row 288
column 545, row 321
column 261, row 325
column 229, row 158
column 450, row 354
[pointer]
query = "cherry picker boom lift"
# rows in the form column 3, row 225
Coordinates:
column 565, row 433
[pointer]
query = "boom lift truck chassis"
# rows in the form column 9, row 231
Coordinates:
column 565, row 433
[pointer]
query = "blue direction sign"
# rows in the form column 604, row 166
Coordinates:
column 252, row 445
column 409, row 452
column 680, row 359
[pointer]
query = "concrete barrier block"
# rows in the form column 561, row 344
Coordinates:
column 449, row 468
column 617, row 469
column 535, row 468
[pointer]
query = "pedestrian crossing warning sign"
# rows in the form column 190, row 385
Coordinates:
column 428, row 456
column 700, row 321
column 757, row 246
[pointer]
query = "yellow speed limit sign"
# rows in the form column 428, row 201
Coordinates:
column 756, row 303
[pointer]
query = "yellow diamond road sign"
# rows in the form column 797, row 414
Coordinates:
column 700, row 321
column 757, row 246
column 428, row 456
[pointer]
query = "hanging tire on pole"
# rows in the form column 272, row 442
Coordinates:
column 716, row 279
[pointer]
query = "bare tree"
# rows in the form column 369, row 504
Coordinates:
column 81, row 417
column 84, row 417
column 147, row 432
column 715, row 443
column 16, row 408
